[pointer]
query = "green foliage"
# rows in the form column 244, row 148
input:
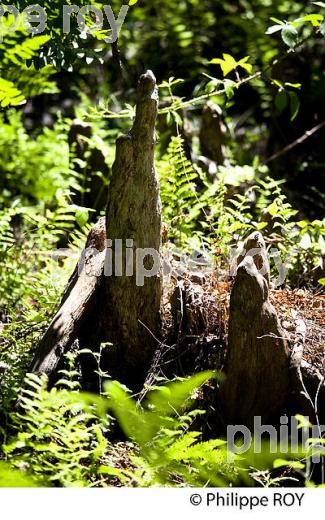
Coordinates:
column 37, row 217
column 17, row 51
column 60, row 435
column 289, row 30
column 228, row 64
column 35, row 169
column 59, row 438
column 65, row 437
column 71, row 49
column 191, row 202
column 11, row 478
column 178, row 191
column 9, row 94
column 170, row 453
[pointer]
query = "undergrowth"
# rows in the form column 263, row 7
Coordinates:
column 63, row 437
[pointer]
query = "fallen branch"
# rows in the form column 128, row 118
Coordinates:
column 300, row 140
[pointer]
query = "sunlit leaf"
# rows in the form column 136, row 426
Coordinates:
column 295, row 464
column 290, row 36
column 274, row 28
column 314, row 19
column 294, row 105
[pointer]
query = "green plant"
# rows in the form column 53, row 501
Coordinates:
column 58, row 437
column 170, row 453
column 35, row 168
column 17, row 51
column 178, row 191
column 63, row 437
column 11, row 478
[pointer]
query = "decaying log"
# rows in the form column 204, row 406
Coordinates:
column 212, row 133
column 79, row 298
column 257, row 381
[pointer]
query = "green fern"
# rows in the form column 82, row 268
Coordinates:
column 178, row 191
column 18, row 76
column 58, row 438
column 169, row 452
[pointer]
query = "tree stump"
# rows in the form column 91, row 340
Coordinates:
column 107, row 299
column 134, row 217
column 257, row 382
column 212, row 133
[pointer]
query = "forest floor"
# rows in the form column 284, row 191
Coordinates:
column 212, row 295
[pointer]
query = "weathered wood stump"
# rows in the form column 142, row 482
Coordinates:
column 212, row 133
column 134, row 217
column 255, row 247
column 115, row 294
column 257, row 382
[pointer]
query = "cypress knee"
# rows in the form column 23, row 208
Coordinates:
column 134, row 217
column 257, row 382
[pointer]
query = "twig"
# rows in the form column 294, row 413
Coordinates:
column 300, row 140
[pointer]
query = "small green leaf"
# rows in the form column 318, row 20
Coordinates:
column 9, row 94
column 277, row 83
column 261, row 225
column 303, row 421
column 294, row 105
column 290, row 36
column 109, row 470
column 295, row 464
column 281, row 101
column 243, row 63
column 81, row 215
column 227, row 64
column 322, row 281
column 293, row 85
column 273, row 209
column 314, row 19
column 133, row 2
column 277, row 21
column 274, row 28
